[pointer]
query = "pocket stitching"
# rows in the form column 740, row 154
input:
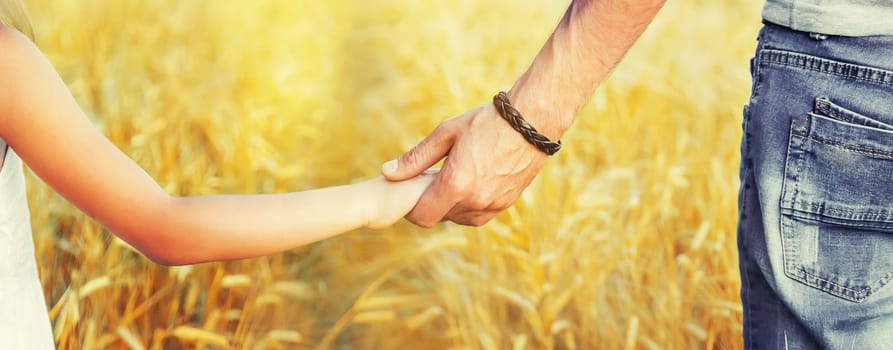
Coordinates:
column 848, row 293
column 844, row 115
column 864, row 151
column 822, row 208
column 877, row 153
column 795, row 191
column 874, row 220
column 800, row 274
column 804, row 133
column 791, row 257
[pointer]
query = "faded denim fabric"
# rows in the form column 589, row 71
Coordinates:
column 815, row 231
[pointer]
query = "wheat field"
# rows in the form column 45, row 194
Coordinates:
column 626, row 240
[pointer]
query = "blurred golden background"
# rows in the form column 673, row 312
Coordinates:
column 626, row 240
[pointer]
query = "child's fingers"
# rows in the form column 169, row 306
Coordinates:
column 426, row 178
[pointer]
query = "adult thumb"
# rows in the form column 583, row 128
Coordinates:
column 421, row 157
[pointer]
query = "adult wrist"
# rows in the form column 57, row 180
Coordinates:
column 549, row 117
column 514, row 118
column 541, row 105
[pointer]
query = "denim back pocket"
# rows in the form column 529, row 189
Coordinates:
column 837, row 202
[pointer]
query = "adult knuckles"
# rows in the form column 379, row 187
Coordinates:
column 502, row 203
column 479, row 221
column 485, row 203
column 425, row 224
column 472, row 219
column 474, row 196
column 478, row 202
column 423, row 221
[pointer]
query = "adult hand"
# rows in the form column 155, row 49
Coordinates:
column 488, row 164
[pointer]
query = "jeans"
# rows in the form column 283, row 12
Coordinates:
column 815, row 226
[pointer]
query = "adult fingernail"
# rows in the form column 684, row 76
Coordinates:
column 389, row 167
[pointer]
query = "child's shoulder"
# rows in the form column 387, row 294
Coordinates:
column 20, row 59
column 10, row 38
column 16, row 50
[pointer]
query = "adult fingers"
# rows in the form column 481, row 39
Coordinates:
column 471, row 217
column 434, row 204
column 421, row 157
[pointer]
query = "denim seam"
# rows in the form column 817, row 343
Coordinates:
column 836, row 112
column 857, row 149
column 790, row 254
column 800, row 155
column 856, row 295
column 813, row 211
column 855, row 72
column 746, row 169
column 755, row 65
column 849, row 293
column 748, row 327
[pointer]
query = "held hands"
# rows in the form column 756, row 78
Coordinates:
column 488, row 165
column 390, row 201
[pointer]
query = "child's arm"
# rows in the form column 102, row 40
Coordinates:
column 41, row 121
column 237, row 226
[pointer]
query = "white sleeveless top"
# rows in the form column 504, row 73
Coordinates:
column 24, row 323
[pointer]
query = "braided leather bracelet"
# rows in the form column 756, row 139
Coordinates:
column 511, row 115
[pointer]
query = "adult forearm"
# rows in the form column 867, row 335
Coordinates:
column 589, row 41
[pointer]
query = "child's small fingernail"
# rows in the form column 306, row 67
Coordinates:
column 389, row 167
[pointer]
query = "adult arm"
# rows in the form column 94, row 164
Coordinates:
column 489, row 164
column 41, row 122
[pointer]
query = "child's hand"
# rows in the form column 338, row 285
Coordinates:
column 390, row 201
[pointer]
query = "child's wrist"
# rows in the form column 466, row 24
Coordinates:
column 361, row 202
